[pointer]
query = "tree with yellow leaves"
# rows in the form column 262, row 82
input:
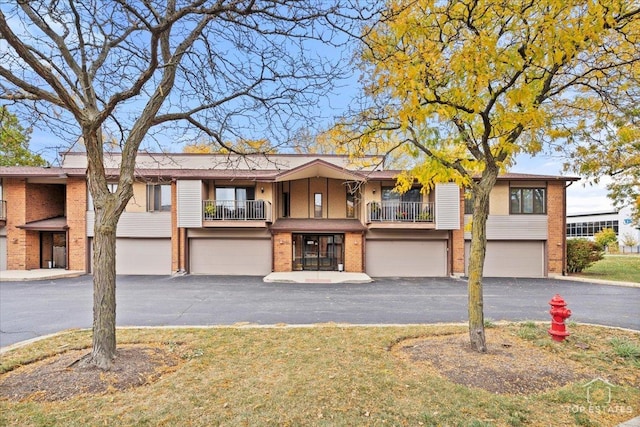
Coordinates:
column 466, row 85
column 613, row 151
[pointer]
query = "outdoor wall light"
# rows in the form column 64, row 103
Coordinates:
column 374, row 191
column 262, row 189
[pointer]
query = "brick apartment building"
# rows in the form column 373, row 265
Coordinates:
column 215, row 214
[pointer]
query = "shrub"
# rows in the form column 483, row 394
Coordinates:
column 606, row 238
column 581, row 253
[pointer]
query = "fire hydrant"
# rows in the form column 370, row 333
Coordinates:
column 559, row 313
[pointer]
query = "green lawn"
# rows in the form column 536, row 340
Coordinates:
column 328, row 376
column 624, row 268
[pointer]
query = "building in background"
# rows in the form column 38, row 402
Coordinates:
column 589, row 223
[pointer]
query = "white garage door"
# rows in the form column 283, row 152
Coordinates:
column 142, row 256
column 423, row 258
column 511, row 259
column 3, row 253
column 234, row 257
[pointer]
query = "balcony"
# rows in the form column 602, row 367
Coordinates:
column 402, row 213
column 236, row 211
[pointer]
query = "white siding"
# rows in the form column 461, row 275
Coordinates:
column 189, row 203
column 514, row 227
column 138, row 224
column 447, row 206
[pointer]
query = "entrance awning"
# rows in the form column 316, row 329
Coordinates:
column 320, row 168
column 317, row 225
column 51, row 224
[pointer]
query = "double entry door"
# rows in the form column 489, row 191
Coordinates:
column 318, row 251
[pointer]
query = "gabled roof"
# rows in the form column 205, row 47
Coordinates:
column 319, row 168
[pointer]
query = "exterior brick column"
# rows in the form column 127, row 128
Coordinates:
column 15, row 192
column 77, row 243
column 457, row 243
column 353, row 252
column 557, row 228
column 282, row 252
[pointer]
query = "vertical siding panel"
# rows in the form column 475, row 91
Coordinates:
column 189, row 203
column 447, row 206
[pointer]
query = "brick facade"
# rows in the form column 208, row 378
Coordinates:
column 77, row 241
column 556, row 241
column 457, row 243
column 282, row 252
column 15, row 192
column 353, row 257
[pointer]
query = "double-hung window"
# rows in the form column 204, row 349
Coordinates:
column 528, row 200
column 158, row 197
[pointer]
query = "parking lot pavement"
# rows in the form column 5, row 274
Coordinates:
column 31, row 309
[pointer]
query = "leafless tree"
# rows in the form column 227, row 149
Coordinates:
column 131, row 70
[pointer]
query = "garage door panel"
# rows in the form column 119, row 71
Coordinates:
column 250, row 257
column 142, row 256
column 406, row 258
column 511, row 259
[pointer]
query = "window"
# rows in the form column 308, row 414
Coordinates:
column 351, row 204
column 234, row 196
column 390, row 195
column 285, row 205
column 112, row 189
column 528, row 201
column 158, row 197
column 317, row 205
column 589, row 229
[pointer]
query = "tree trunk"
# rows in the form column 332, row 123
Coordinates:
column 481, row 192
column 104, row 290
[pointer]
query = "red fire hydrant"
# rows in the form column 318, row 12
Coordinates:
column 559, row 312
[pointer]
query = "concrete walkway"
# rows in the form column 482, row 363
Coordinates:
column 38, row 274
column 317, row 277
column 286, row 277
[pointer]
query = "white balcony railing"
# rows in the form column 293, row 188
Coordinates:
column 400, row 212
column 234, row 210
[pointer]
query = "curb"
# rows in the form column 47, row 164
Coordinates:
column 596, row 281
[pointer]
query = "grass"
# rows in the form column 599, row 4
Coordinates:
column 625, row 268
column 328, row 375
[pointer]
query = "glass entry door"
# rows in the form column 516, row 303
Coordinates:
column 318, row 251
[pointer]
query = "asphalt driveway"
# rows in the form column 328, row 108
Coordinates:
column 37, row 308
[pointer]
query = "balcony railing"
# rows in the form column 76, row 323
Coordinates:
column 234, row 210
column 400, row 212
column 3, row 210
